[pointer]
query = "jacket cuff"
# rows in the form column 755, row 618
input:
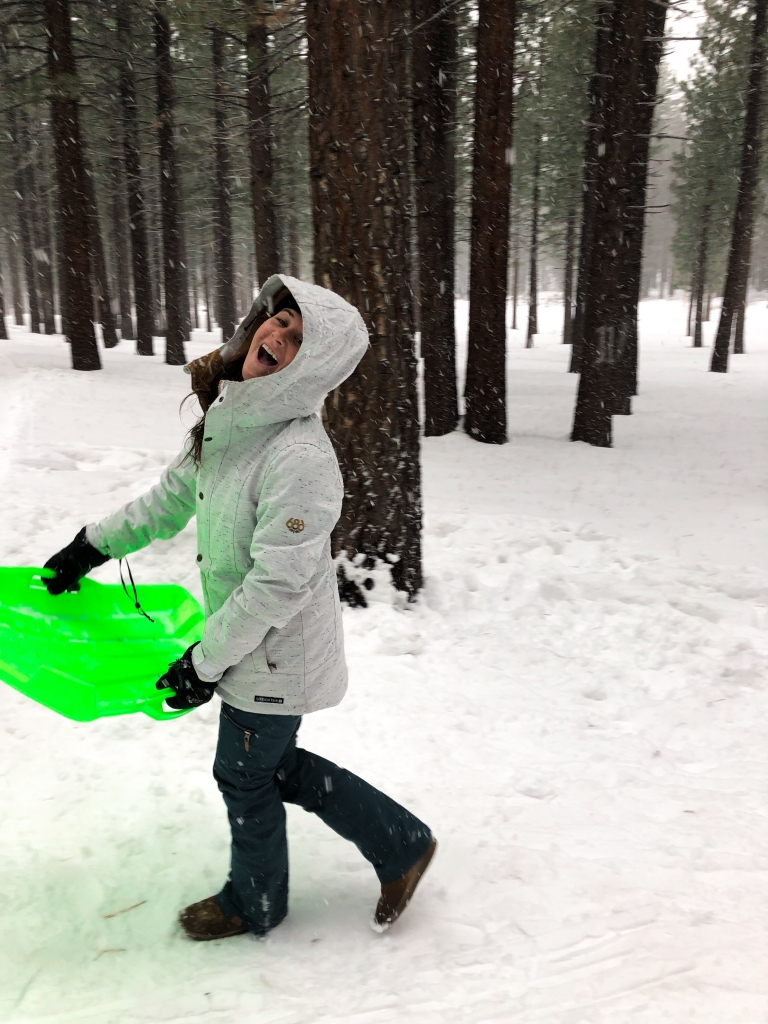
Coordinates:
column 208, row 672
column 94, row 538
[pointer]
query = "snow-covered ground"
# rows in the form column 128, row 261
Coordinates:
column 577, row 706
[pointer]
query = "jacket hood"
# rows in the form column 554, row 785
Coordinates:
column 335, row 340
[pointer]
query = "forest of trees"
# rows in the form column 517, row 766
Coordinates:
column 164, row 157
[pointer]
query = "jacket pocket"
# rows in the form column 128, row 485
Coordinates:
column 258, row 659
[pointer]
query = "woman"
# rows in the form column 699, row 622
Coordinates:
column 260, row 474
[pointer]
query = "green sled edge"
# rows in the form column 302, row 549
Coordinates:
column 90, row 654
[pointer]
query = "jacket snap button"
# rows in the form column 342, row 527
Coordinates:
column 201, row 495
column 199, row 558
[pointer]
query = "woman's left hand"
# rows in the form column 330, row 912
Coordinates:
column 190, row 690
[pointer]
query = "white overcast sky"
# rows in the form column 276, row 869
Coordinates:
column 686, row 21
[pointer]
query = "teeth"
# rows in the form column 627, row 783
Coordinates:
column 269, row 351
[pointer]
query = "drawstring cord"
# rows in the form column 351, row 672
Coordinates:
column 135, row 597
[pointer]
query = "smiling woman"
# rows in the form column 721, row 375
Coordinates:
column 269, row 344
column 275, row 343
column 266, row 490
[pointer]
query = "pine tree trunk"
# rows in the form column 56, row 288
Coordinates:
column 185, row 311
column 170, row 186
column 99, row 267
column 17, row 299
column 611, row 296
column 155, row 267
column 33, row 212
column 222, row 201
column 515, row 275
column 691, row 300
column 18, row 190
column 19, row 151
column 738, row 337
column 701, row 272
column 570, row 233
column 625, row 377
column 485, row 392
column 61, row 269
column 737, row 275
column 207, row 291
column 120, row 250
column 533, row 271
column 708, row 313
column 260, row 142
column 359, row 115
column 3, row 328
column 195, row 300
column 592, row 142
column 45, row 247
column 137, row 221
column 72, row 186
column 434, row 41
column 294, row 246
column 36, row 227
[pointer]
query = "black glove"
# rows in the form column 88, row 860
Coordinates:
column 191, row 690
column 71, row 564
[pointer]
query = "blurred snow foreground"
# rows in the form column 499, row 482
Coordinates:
column 577, row 705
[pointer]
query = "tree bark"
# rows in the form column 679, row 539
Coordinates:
column 19, row 151
column 737, row 275
column 359, row 114
column 294, row 245
column 170, row 186
column 701, row 272
column 434, row 41
column 120, row 250
column 611, row 294
column 99, row 267
column 72, row 186
column 195, row 298
column 533, row 259
column 155, row 266
column 570, row 233
column 17, row 299
column 207, row 291
column 137, row 223
column 61, row 269
column 224, row 269
column 515, row 274
column 45, row 247
column 33, row 209
column 260, row 142
column 592, row 143
column 185, row 312
column 3, row 328
column 625, row 377
column 485, row 393
column 738, row 337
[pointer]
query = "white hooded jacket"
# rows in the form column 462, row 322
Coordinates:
column 267, row 495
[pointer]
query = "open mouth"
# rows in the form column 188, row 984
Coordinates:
column 266, row 356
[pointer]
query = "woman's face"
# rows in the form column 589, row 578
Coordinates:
column 274, row 345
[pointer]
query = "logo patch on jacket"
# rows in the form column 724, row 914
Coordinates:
column 269, row 700
column 295, row 525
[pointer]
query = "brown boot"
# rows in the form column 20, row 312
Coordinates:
column 395, row 896
column 205, row 920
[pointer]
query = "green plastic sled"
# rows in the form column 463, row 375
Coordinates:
column 90, row 654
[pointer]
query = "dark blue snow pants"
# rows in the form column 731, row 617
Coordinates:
column 258, row 768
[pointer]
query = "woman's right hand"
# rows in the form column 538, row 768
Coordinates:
column 71, row 564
